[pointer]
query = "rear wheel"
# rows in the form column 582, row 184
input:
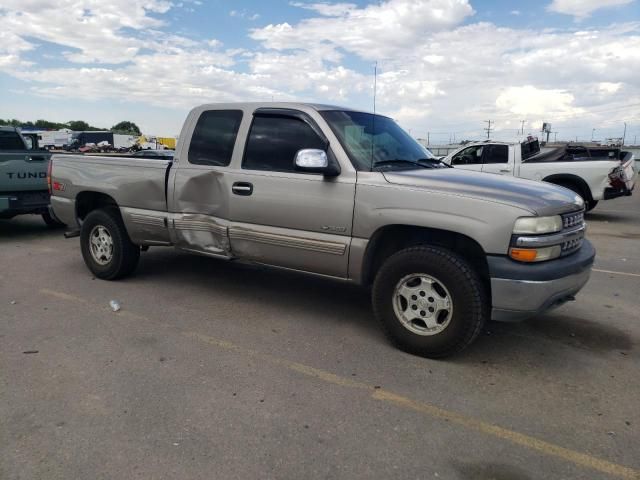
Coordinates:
column 589, row 204
column 430, row 301
column 106, row 247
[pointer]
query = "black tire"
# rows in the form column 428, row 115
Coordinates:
column 125, row 255
column 50, row 221
column 468, row 299
column 589, row 204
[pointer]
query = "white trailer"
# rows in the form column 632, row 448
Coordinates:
column 123, row 141
column 54, row 138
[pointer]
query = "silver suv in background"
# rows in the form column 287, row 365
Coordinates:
column 343, row 194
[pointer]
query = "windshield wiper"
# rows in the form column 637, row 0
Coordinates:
column 434, row 160
column 383, row 163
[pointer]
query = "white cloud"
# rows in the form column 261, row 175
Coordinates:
column 583, row 8
column 244, row 14
column 515, row 12
column 609, row 87
column 438, row 69
column 373, row 32
column 531, row 101
column 327, row 9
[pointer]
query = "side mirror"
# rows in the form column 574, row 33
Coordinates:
column 312, row 160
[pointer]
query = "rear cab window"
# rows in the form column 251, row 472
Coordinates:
column 214, row 137
column 529, row 148
column 11, row 141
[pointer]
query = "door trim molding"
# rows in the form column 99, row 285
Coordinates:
column 288, row 241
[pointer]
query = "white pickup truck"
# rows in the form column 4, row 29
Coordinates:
column 594, row 173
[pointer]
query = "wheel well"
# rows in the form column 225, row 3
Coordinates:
column 86, row 202
column 565, row 179
column 391, row 239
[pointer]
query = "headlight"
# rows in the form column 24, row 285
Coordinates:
column 536, row 225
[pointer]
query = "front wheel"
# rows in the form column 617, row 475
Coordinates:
column 430, row 301
column 106, row 247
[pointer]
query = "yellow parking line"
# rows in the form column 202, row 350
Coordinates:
column 470, row 423
column 617, row 273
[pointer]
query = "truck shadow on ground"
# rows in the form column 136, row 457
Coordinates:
column 28, row 226
column 275, row 290
column 489, row 471
column 312, row 299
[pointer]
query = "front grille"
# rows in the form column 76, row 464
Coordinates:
column 571, row 220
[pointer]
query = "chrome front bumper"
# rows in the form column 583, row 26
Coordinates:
column 523, row 291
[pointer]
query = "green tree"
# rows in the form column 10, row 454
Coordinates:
column 79, row 125
column 126, row 128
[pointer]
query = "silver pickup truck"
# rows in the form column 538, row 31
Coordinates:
column 343, row 194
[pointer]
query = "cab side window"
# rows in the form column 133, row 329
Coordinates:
column 11, row 141
column 274, row 141
column 496, row 154
column 468, row 156
column 214, row 137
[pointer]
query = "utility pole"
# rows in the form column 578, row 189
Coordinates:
column 625, row 133
column 592, row 132
column 522, row 128
column 428, row 138
column 555, row 137
column 488, row 129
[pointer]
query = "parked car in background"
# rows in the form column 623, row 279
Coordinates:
column 594, row 173
column 345, row 195
column 159, row 154
column 23, row 176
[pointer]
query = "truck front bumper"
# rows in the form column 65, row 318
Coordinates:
column 520, row 291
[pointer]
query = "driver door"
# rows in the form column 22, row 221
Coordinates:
column 469, row 158
column 283, row 217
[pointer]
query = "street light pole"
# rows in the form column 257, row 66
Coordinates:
column 592, row 132
column 625, row 133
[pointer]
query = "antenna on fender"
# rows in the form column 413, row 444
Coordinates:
column 373, row 121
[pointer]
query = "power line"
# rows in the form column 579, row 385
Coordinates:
column 488, row 129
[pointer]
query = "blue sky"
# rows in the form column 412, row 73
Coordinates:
column 445, row 65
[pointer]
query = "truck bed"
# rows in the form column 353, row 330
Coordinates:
column 131, row 182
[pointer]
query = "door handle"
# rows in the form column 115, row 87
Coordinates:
column 242, row 188
column 505, row 170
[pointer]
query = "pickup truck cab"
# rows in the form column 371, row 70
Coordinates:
column 343, row 194
column 23, row 176
column 594, row 173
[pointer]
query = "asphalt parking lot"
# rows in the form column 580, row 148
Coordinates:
column 213, row 370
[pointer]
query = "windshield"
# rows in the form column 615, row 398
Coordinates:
column 373, row 140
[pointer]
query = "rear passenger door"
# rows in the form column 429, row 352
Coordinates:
column 284, row 217
column 199, row 205
column 495, row 159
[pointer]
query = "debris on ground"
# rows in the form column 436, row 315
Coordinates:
column 115, row 305
column 31, row 351
column 12, row 302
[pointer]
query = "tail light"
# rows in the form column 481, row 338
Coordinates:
column 49, row 168
column 617, row 178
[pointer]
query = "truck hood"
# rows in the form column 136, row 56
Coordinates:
column 540, row 198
